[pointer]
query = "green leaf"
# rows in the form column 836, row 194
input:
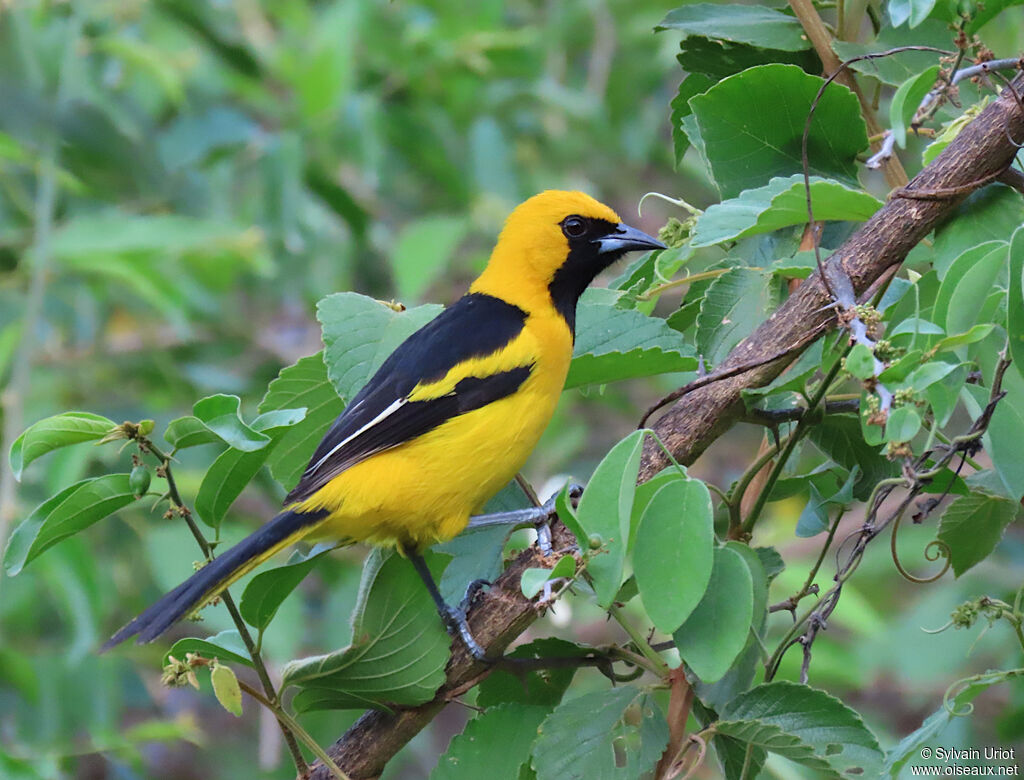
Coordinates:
column 226, row 689
column 715, row 633
column 399, row 647
column 923, row 377
column 805, row 725
column 1015, row 301
column 914, row 10
column 860, row 362
column 614, row 343
column 735, row 304
column 972, row 526
column 674, row 551
column 73, row 509
column 966, row 285
column 604, row 511
column 990, row 214
column 577, row 740
column 839, row 437
column 758, row 116
column 539, row 687
column 188, row 431
column 973, row 336
column 304, row 384
column 935, row 724
column 225, row 646
column 359, row 334
column 494, row 744
column 267, row 590
column 233, row 469
column 896, row 68
column 906, row 100
column 693, row 84
column 903, row 424
column 533, row 580
column 222, row 416
column 54, row 432
column 716, row 59
column 1005, row 432
column 759, row 26
column 781, row 203
column 423, row 250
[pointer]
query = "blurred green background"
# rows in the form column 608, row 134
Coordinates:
column 180, row 182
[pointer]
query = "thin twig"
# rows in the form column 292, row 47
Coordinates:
column 229, row 602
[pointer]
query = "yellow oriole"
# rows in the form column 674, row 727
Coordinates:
column 450, row 416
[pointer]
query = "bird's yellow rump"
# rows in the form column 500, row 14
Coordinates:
column 450, row 416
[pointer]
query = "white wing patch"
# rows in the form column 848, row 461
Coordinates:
column 395, row 406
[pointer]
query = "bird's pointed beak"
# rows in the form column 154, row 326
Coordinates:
column 626, row 239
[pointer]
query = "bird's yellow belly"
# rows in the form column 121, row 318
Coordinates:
column 432, row 484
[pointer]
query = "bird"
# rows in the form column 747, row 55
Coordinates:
column 450, row 416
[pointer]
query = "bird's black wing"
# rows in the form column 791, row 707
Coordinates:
column 381, row 416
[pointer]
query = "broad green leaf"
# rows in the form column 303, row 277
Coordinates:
column 753, row 24
column 805, row 725
column 758, row 116
column 1015, row 301
column 264, row 593
column 781, row 203
column 896, row 68
column 72, row 510
column 54, row 432
column 673, row 552
column 225, row 646
column 973, row 336
column 929, row 732
column 359, row 333
column 860, row 362
column 992, row 213
column 902, row 368
column 495, row 743
column 423, row 250
column 226, row 689
column 693, row 84
column 923, row 377
column 966, row 285
column 906, row 100
column 972, row 526
column 476, row 552
column 839, row 436
column 914, row 10
column 614, row 344
column 221, row 414
column 398, row 652
column 540, row 687
column 305, row 385
column 717, row 629
column 577, row 740
column 189, row 431
column 233, row 469
column 903, row 424
column 604, row 512
column 734, row 305
column 717, row 59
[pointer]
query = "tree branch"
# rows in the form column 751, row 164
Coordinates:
column 696, row 419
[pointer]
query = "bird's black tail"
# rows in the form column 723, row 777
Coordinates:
column 283, row 530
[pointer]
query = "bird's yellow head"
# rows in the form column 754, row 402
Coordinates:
column 553, row 246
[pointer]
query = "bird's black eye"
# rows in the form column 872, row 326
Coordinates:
column 574, row 227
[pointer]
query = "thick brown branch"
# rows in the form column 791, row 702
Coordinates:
column 982, row 149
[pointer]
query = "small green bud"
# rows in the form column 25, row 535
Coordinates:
column 595, row 542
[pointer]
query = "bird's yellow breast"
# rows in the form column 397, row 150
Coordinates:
column 425, row 490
